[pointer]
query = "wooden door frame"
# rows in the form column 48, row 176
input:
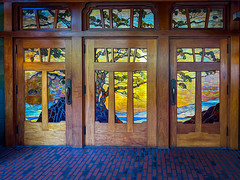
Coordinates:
column 223, row 84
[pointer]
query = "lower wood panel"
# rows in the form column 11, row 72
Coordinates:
column 198, row 140
column 34, row 135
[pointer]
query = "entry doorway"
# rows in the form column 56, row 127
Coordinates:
column 198, row 110
column 120, row 92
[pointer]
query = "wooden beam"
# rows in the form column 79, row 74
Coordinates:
column 7, row 16
column 163, row 92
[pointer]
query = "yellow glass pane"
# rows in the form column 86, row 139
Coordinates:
column 184, row 55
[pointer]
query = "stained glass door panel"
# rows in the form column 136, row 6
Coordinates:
column 41, row 93
column 121, row 76
column 198, row 115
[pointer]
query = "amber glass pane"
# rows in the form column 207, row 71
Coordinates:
column 140, row 96
column 101, row 96
column 29, row 19
column 100, row 55
column 64, row 19
column 198, row 54
column 210, row 96
column 46, row 18
column 106, row 18
column 33, row 95
column 121, row 55
column 179, row 19
column 57, row 55
column 141, row 55
column 31, row 55
column 136, row 17
column 147, row 18
column 215, row 18
column 45, row 54
column 120, row 88
column 184, row 55
column 186, row 97
column 121, row 18
column 95, row 19
column 56, row 96
column 197, row 18
column 212, row 55
column 132, row 52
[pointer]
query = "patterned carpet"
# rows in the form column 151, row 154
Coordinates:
column 38, row 162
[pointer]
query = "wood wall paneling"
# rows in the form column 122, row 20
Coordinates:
column 7, row 16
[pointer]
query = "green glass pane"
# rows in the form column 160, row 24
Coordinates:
column 179, row 19
column 141, row 55
column 106, row 18
column 57, row 55
column 212, row 55
column 31, row 55
column 101, row 96
column 33, row 95
column 29, row 19
column 121, row 55
column 210, row 96
column 120, row 89
column 136, row 13
column 147, row 19
column 64, row 19
column 121, row 18
column 184, row 55
column 197, row 18
column 46, row 18
column 56, row 96
column 186, row 97
column 95, row 19
column 140, row 96
column 198, row 54
column 215, row 18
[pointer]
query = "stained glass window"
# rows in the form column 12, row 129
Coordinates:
column 184, row 55
column 198, row 54
column 147, row 18
column 136, row 18
column 186, row 97
column 179, row 19
column 197, row 18
column 46, row 18
column 31, row 55
column 64, row 19
column 33, row 95
column 101, row 96
column 140, row 96
column 141, row 55
column 100, row 55
column 56, row 96
column 215, row 18
column 212, row 55
column 106, row 18
column 210, row 96
column 121, row 55
column 120, row 89
column 121, row 18
column 29, row 19
column 57, row 55
column 45, row 53
column 95, row 19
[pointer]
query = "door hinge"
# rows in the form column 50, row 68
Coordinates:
column 84, row 130
column 227, row 48
column 227, row 89
column 15, row 49
column 84, row 48
column 84, row 89
column 227, row 130
column 16, row 89
column 16, row 129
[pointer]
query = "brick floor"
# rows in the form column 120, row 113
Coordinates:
column 37, row 162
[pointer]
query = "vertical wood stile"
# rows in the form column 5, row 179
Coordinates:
column 102, row 19
column 140, row 18
column 55, row 19
column 44, row 100
column 203, row 54
column 194, row 57
column 130, row 102
column 135, row 53
column 49, row 54
column 111, row 107
column 7, row 16
column 113, row 56
column 207, row 18
column 37, row 19
column 107, row 58
column 129, row 54
column 188, row 18
column 40, row 54
column 111, row 18
column 131, row 18
column 198, row 102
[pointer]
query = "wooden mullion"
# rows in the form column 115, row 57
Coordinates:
column 135, row 53
column 194, row 57
column 111, row 18
column 140, row 18
column 37, row 19
column 113, row 58
column 207, row 18
column 102, row 19
column 198, row 102
column 203, row 54
column 44, row 100
column 111, row 100
column 188, row 18
column 49, row 54
column 55, row 19
column 129, row 54
column 40, row 54
column 131, row 18
column 107, row 55
column 130, row 102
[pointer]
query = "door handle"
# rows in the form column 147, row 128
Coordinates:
column 173, row 92
column 69, row 91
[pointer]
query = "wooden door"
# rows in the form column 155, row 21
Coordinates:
column 198, row 92
column 43, row 74
column 120, row 92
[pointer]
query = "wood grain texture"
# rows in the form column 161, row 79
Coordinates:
column 7, row 16
column 198, row 101
column 44, row 101
column 130, row 102
column 121, row 66
column 77, row 91
column 234, row 93
column 164, row 15
column 34, row 135
column 76, row 9
column 44, row 43
column 43, row 66
column 163, row 92
column 111, row 102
